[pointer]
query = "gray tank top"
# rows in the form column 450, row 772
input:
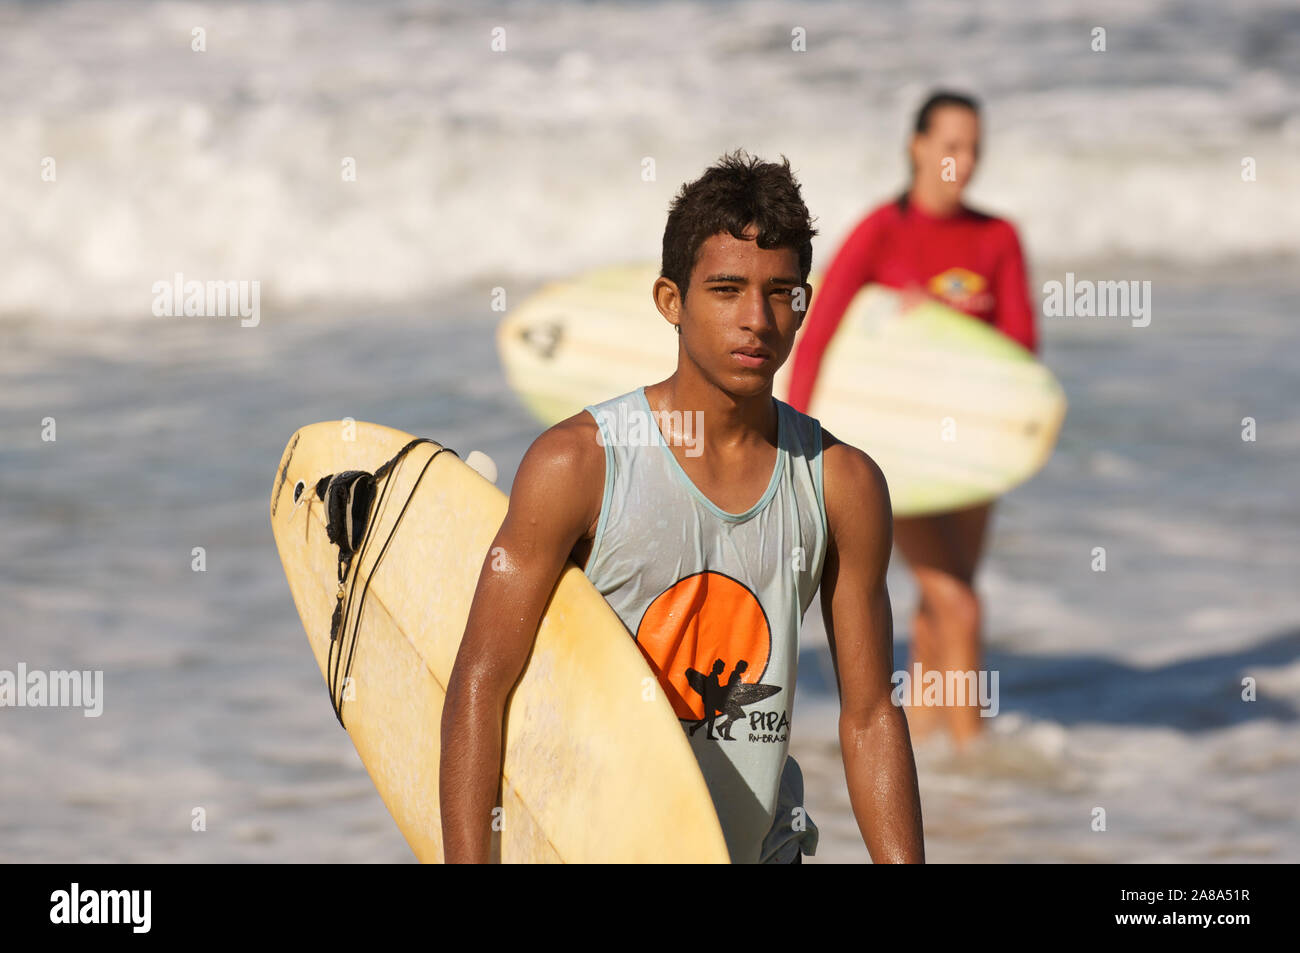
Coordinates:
column 715, row 601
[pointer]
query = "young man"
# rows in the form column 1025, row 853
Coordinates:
column 709, row 552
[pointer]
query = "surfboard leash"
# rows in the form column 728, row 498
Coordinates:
column 350, row 510
column 356, row 622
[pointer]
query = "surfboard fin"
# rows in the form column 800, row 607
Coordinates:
column 482, row 464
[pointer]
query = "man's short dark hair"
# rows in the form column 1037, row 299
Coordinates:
column 739, row 191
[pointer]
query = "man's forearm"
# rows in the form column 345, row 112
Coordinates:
column 881, row 775
column 468, row 776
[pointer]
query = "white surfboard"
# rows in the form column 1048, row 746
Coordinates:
column 954, row 412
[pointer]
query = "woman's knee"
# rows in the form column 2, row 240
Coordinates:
column 950, row 598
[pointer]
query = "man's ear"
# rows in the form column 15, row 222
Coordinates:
column 667, row 299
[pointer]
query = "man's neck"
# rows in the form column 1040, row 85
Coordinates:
column 725, row 421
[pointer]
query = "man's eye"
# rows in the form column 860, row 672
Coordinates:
column 726, row 289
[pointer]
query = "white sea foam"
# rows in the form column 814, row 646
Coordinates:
column 504, row 168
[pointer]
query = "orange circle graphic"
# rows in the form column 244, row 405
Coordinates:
column 694, row 623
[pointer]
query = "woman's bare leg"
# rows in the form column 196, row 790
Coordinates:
column 922, row 721
column 943, row 551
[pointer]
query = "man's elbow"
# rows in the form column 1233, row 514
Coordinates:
column 869, row 724
column 474, row 689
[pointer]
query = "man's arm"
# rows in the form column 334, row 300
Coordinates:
column 555, row 499
column 874, row 738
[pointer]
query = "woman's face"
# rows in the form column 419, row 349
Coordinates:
column 945, row 155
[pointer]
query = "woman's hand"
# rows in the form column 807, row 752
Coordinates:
column 911, row 296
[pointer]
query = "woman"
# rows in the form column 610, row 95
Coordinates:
column 926, row 242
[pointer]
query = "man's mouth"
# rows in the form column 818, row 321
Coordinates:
column 752, row 356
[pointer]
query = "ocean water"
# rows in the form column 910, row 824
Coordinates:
column 478, row 170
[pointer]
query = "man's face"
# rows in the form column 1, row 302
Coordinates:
column 741, row 298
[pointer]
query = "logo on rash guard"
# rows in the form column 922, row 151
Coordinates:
column 962, row 289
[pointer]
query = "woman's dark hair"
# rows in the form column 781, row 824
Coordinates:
column 936, row 100
column 740, row 190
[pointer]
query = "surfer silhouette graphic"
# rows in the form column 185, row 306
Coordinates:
column 729, row 700
column 729, row 706
column 740, row 694
column 711, row 691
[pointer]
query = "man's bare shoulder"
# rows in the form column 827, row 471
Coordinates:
column 563, row 469
column 572, row 443
column 855, row 488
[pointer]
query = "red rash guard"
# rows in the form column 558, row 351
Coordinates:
column 969, row 261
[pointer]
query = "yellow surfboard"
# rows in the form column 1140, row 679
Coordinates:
column 595, row 768
column 953, row 411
